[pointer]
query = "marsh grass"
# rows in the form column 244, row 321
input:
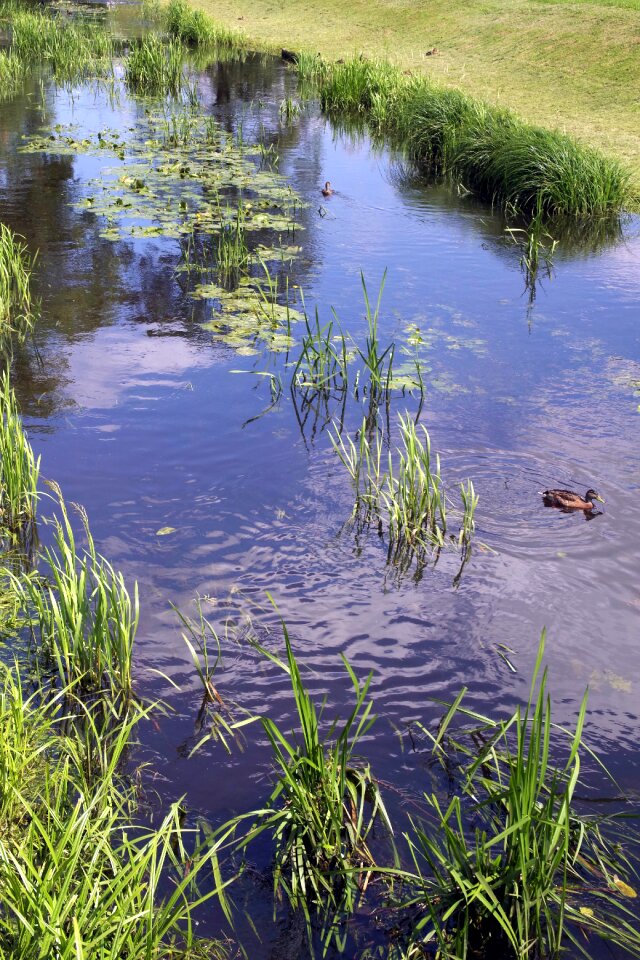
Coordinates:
column 12, row 74
column 155, row 68
column 78, row 877
column 408, row 498
column 323, row 807
column 322, row 366
column 489, row 150
column 19, row 473
column 83, row 618
column 232, row 254
column 17, row 307
column 537, row 250
column 194, row 27
column 71, row 50
column 508, row 866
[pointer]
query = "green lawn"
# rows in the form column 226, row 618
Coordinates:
column 572, row 65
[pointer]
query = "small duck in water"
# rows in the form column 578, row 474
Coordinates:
column 568, row 500
column 327, row 190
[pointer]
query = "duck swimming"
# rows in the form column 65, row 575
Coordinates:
column 568, row 500
column 327, row 190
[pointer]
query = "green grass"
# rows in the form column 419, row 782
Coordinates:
column 71, row 50
column 83, row 618
column 408, row 498
column 322, row 808
column 507, row 866
column 17, row 308
column 571, row 66
column 12, row 74
column 154, row 67
column 490, row 151
column 19, row 472
column 193, row 27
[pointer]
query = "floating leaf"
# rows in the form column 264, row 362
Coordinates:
column 624, row 888
column 586, row 911
column 165, row 531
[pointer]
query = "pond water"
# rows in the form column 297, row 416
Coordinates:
column 152, row 420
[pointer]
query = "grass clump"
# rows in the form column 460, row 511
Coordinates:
column 72, row 50
column 490, row 150
column 408, row 498
column 195, row 28
column 78, row 878
column 19, row 472
column 17, row 308
column 508, row 867
column 154, row 67
column 12, row 74
column 322, row 808
column 83, row 618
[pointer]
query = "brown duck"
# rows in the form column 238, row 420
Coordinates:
column 327, row 190
column 568, row 500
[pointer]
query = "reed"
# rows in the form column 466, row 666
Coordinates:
column 78, row 878
column 232, row 254
column 408, row 499
column 323, row 362
column 489, row 150
column 155, row 68
column 19, row 472
column 508, row 866
column 17, row 307
column 12, row 74
column 84, row 620
column 71, row 50
column 323, row 806
column 195, row 28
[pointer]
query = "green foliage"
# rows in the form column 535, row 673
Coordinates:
column 72, row 50
column 194, row 27
column 409, row 496
column 83, row 618
column 508, row 867
column 19, row 471
column 17, row 309
column 77, row 878
column 323, row 806
column 489, row 150
column 154, row 67
column 12, row 74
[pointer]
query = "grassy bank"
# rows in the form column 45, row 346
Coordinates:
column 571, row 66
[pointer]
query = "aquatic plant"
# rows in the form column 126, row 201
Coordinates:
column 323, row 362
column 408, row 498
column 195, row 27
column 323, row 806
column 508, row 866
column 17, row 308
column 490, row 150
column 19, row 472
column 154, row 67
column 72, row 50
column 232, row 254
column 537, row 246
column 78, row 878
column 82, row 617
column 289, row 109
column 12, row 74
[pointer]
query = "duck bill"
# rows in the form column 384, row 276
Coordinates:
column 599, row 499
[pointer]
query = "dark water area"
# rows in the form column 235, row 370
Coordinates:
column 140, row 413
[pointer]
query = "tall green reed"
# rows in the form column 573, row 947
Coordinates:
column 490, row 150
column 195, row 27
column 71, row 50
column 19, row 471
column 83, row 617
column 322, row 809
column 17, row 307
column 508, row 866
column 155, row 68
